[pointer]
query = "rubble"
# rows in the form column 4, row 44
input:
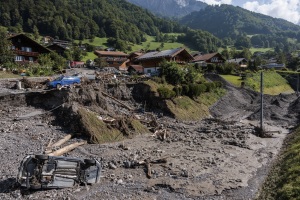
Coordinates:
column 216, row 158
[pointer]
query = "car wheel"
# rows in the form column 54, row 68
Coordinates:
column 42, row 157
column 36, row 187
column 89, row 161
column 58, row 86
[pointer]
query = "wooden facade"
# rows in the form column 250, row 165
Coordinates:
column 26, row 49
column 151, row 60
column 113, row 58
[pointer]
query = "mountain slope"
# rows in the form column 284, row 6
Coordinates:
column 229, row 21
column 170, row 8
column 68, row 19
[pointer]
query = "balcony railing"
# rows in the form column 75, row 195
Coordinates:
column 25, row 53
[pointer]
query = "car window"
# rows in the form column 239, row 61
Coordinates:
column 59, row 78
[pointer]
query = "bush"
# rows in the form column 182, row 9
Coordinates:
column 165, row 93
column 196, row 89
column 218, row 84
column 209, row 86
column 159, row 80
column 185, row 90
column 178, row 90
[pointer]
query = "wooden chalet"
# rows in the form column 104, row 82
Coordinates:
column 113, row 58
column 26, row 49
column 151, row 60
column 240, row 62
column 210, row 58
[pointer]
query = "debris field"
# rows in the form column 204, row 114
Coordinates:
column 220, row 157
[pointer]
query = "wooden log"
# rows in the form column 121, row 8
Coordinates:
column 62, row 141
column 66, row 149
column 148, row 167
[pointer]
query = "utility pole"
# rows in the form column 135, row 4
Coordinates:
column 297, row 83
column 261, row 99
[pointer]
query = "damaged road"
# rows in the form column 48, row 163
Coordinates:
column 216, row 158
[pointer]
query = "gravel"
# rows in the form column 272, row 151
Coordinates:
column 217, row 158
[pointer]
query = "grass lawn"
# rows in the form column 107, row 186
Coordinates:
column 96, row 42
column 235, row 80
column 274, row 83
column 149, row 44
column 261, row 49
column 8, row 75
column 90, row 55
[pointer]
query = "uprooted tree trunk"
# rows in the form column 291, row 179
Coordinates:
column 66, row 149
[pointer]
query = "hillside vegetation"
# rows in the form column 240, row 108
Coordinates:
column 283, row 181
column 236, row 24
column 274, row 83
column 186, row 108
column 71, row 20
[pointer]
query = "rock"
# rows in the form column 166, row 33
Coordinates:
column 112, row 166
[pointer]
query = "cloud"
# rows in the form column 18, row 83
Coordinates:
column 217, row 2
column 285, row 9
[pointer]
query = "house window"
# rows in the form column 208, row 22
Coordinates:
column 148, row 70
column 30, row 59
column 214, row 59
column 27, row 49
column 19, row 58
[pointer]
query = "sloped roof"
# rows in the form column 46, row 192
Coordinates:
column 162, row 54
column 110, row 53
column 236, row 60
column 22, row 35
column 57, row 45
column 205, row 56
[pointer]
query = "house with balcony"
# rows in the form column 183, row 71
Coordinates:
column 26, row 50
column 114, row 59
column 240, row 62
column 151, row 60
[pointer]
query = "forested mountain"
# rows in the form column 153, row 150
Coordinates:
column 226, row 21
column 170, row 8
column 120, row 20
column 232, row 22
column 70, row 19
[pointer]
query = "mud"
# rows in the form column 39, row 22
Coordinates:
column 220, row 157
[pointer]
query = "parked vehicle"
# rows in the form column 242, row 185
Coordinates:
column 64, row 81
column 46, row 172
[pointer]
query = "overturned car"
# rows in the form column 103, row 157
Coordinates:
column 47, row 172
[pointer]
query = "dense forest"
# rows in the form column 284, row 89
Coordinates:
column 234, row 24
column 70, row 19
column 84, row 19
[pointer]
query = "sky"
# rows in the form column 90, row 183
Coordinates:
column 285, row 9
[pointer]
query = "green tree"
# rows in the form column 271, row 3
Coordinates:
column 246, row 53
column 36, row 34
column 101, row 63
column 173, row 73
column 6, row 54
column 242, row 42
